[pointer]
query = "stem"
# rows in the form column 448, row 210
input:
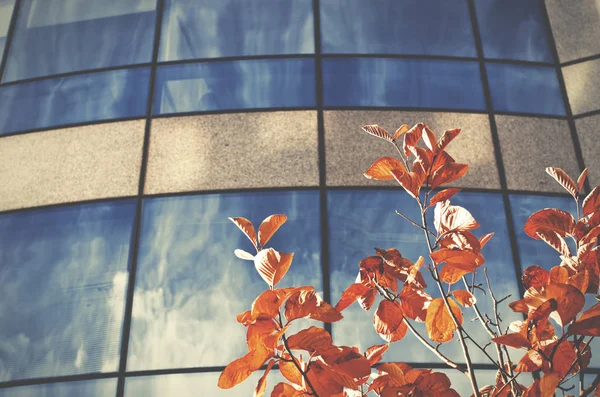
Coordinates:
column 590, row 388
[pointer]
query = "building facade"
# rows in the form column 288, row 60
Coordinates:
column 131, row 129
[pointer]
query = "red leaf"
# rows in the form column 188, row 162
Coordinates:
column 247, row 228
column 259, row 391
column 312, row 339
column 550, row 220
column 515, row 340
column 388, row 321
column 548, row 384
column 377, row 131
column 452, row 272
column 415, row 303
column 484, row 239
column 443, row 195
column 563, row 179
column 350, row 295
column 411, row 181
column 531, row 361
column 403, row 128
column 307, row 304
column 464, row 297
column 564, row 356
column 269, row 226
column 439, row 324
column 535, row 276
column 591, row 203
column 581, row 180
column 272, row 265
column 449, row 218
column 446, row 138
column 450, row 172
column 239, row 370
column 284, row 390
column 366, row 301
column 381, row 170
column 588, row 323
column 429, row 137
column 411, row 138
column 374, row 353
column 555, row 241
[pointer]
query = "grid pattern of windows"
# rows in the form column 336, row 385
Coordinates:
column 136, row 295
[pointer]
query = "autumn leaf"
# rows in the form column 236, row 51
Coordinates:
column 449, row 218
column 449, row 172
column 453, row 272
column 581, row 180
column 350, row 295
column 569, row 299
column 443, row 195
column 555, row 241
column 446, row 138
column 415, row 302
column 239, row 370
column 464, row 297
column 328, row 382
column 272, row 265
column 550, row 220
column 530, row 362
column 375, row 353
column 401, row 130
column 347, row 361
column 243, row 255
column 535, row 276
column 439, row 324
column 290, row 371
column 312, row 339
column 307, row 304
column 269, row 226
column 516, row 340
column 412, row 137
column 411, row 181
column 247, row 228
column 388, row 321
column 563, row 179
column 549, row 383
column 564, row 357
column 377, row 131
column 284, row 390
column 429, row 138
column 591, row 203
column 484, row 239
column 267, row 304
column 588, row 323
column 559, row 275
column 261, row 386
column 381, row 170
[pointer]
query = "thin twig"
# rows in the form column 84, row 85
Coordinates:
column 590, row 388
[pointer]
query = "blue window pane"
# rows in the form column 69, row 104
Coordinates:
column 513, row 29
column 235, row 85
column 6, row 9
column 88, row 388
column 361, row 220
column 74, row 99
column 60, row 36
column 220, row 28
column 402, row 83
column 527, row 89
column 64, row 277
column 190, row 286
column 432, row 27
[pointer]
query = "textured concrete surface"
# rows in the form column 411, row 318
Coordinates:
column 224, row 151
column 588, row 129
column 350, row 151
column 71, row 164
column 576, row 27
column 583, row 85
column 529, row 145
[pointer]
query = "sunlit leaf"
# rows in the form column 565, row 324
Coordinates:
column 457, row 256
column 415, row 302
column 451, row 273
column 378, row 131
column 410, row 181
column 272, row 265
column 443, row 195
column 261, row 386
column 559, row 275
column 581, row 180
column 450, row 172
column 450, row 217
column 555, row 241
column 290, row 371
column 347, row 361
column 374, row 353
column 485, row 238
column 307, row 304
column 439, row 324
column 350, row 295
column 381, row 169
column 403, row 128
column 563, row 358
column 588, row 323
column 548, row 384
column 464, row 297
column 563, row 179
column 535, row 276
column 285, row 390
column 243, row 255
column 269, row 226
column 247, row 228
column 515, row 340
column 267, row 304
column 328, row 382
column 388, row 321
column 531, row 361
column 412, row 137
column 591, row 203
column 446, row 138
column 239, row 370
column 550, row 220
column 312, row 339
column 429, row 137
column 366, row 301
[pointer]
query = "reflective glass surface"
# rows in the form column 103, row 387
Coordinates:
column 87, row 388
column 6, row 9
column 60, row 36
column 64, row 276
column 402, row 82
column 361, row 220
column 235, row 85
column 220, row 28
column 432, row 27
column 527, row 89
column 190, row 286
column 513, row 29
column 74, row 99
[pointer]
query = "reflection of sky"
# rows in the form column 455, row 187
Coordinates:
column 235, row 85
column 190, row 286
column 87, row 388
column 402, row 82
column 63, row 277
column 58, row 36
column 361, row 27
column 361, row 220
column 220, row 28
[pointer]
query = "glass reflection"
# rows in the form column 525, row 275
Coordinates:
column 74, row 99
column 527, row 89
column 361, row 220
column 235, row 85
column 431, row 27
column 210, row 29
column 60, row 36
column 402, row 82
column 64, row 278
column 6, row 9
column 88, row 388
column 513, row 29
column 190, row 286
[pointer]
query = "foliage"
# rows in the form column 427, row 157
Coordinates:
column 554, row 336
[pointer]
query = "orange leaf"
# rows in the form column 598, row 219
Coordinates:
column 328, row 382
column 243, row 255
column 410, row 181
column 449, row 218
column 550, row 219
column 516, row 340
column 312, row 339
column 347, row 361
column 350, row 295
column 415, row 303
column 450, row 172
column 246, row 226
column 453, row 272
column 555, row 241
column 284, row 390
column 446, row 138
column 535, row 276
column 548, row 384
column 307, row 304
column 366, row 301
column 388, row 321
column 403, row 128
column 377, row 131
column 290, row 372
column 581, row 180
column 443, row 195
column 464, row 297
column 381, row 170
column 259, row 391
column 531, row 361
column 484, row 239
column 411, row 138
column 568, row 298
column 563, row 179
column 564, row 357
column 559, row 275
column 457, row 256
column 267, row 304
column 269, row 226
column 588, row 323
column 272, row 265
column 439, row 324
column 429, row 137
column 239, row 370
column 374, row 353
column 591, row 203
